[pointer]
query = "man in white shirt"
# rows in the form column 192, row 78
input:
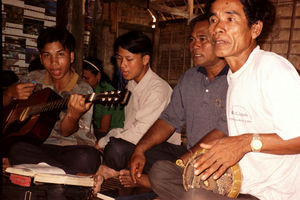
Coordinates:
column 262, row 107
column 150, row 94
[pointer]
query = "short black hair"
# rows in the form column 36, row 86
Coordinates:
column 135, row 42
column 255, row 10
column 199, row 18
column 56, row 34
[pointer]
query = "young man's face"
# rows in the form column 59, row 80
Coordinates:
column 229, row 29
column 201, row 48
column 57, row 60
column 133, row 66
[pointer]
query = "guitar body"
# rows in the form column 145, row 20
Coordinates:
column 34, row 129
column 32, row 120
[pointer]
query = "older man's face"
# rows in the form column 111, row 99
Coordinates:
column 201, row 48
column 229, row 29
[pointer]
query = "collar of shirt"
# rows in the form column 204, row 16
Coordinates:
column 223, row 72
column 69, row 86
column 248, row 63
column 137, row 87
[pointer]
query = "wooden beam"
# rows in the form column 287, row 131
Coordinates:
column 76, row 27
column 184, row 7
column 133, row 27
column 114, row 16
column 292, row 29
column 190, row 9
column 155, row 55
column 61, row 14
column 169, row 10
column 157, row 1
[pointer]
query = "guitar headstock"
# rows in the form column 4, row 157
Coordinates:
column 114, row 97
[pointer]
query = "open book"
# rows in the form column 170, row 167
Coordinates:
column 44, row 173
column 104, row 197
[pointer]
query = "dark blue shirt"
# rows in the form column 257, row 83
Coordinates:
column 199, row 103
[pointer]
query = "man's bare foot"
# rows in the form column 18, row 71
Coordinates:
column 103, row 173
column 107, row 172
column 125, row 179
column 98, row 180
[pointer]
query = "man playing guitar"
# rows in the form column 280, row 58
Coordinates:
column 70, row 145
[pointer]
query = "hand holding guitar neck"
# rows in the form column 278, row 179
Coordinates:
column 77, row 105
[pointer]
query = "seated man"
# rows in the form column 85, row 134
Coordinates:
column 70, row 145
column 150, row 94
column 198, row 100
column 262, row 109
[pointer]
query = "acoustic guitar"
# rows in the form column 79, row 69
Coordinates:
column 32, row 120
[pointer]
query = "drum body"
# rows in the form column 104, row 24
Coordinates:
column 229, row 184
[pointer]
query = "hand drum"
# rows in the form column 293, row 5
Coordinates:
column 228, row 184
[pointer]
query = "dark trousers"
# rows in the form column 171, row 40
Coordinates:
column 166, row 180
column 72, row 159
column 117, row 153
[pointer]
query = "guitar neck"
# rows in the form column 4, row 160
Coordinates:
column 106, row 98
column 53, row 105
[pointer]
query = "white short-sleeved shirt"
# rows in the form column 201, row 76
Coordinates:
column 264, row 97
column 148, row 99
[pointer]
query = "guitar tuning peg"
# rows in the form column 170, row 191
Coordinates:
column 112, row 92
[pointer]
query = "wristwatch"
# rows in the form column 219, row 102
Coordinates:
column 256, row 143
column 179, row 162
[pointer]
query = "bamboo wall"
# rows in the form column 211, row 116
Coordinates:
column 104, row 21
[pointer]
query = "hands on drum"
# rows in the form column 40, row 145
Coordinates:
column 216, row 168
column 222, row 154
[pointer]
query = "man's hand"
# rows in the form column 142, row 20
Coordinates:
column 20, row 91
column 185, row 157
column 137, row 163
column 77, row 106
column 222, row 154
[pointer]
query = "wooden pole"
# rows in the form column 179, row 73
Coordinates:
column 76, row 27
column 190, row 10
column 155, row 48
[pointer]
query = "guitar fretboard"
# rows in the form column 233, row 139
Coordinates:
column 108, row 98
column 54, row 105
